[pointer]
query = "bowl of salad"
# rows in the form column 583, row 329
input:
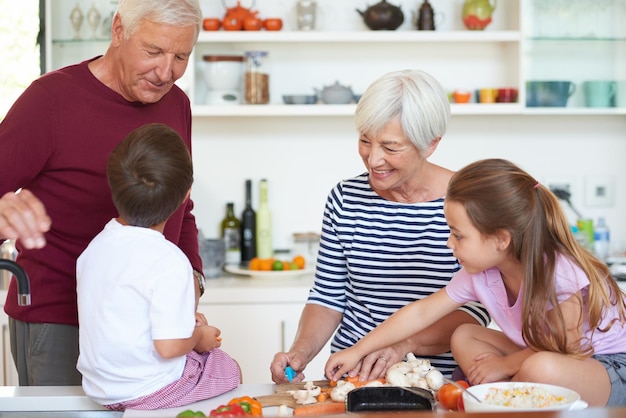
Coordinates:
column 521, row 396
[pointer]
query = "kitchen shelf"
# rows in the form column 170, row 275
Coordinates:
column 357, row 36
column 515, row 48
column 337, row 110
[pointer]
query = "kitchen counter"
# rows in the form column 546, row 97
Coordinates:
column 265, row 389
column 70, row 401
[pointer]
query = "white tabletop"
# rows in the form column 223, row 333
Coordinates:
column 209, row 404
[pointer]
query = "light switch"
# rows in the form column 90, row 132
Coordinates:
column 600, row 191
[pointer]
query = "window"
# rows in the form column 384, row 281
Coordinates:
column 19, row 49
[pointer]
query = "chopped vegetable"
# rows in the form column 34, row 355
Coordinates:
column 250, row 405
column 326, row 408
column 227, row 411
column 191, row 414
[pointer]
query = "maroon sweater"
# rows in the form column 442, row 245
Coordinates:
column 55, row 141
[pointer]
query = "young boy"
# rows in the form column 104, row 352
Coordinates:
column 142, row 346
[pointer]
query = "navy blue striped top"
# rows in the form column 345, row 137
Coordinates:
column 376, row 256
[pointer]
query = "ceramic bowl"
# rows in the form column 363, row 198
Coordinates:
column 300, row 98
column 570, row 399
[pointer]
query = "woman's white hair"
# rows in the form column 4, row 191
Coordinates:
column 414, row 97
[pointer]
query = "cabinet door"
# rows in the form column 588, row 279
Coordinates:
column 76, row 31
column 575, row 55
column 254, row 332
column 8, row 373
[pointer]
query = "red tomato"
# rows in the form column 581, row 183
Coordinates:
column 449, row 395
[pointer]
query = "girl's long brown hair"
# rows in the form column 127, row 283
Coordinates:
column 498, row 195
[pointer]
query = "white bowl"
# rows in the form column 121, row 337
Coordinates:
column 571, row 399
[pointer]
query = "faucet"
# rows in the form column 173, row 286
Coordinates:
column 23, row 283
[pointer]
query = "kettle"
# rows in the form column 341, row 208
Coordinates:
column 382, row 16
column 335, row 94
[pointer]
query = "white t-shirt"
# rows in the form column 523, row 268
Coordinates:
column 133, row 286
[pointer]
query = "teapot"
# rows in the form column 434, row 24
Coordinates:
column 477, row 13
column 335, row 94
column 235, row 17
column 382, row 16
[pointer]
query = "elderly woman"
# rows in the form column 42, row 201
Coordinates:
column 384, row 235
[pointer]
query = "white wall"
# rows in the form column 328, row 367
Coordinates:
column 304, row 157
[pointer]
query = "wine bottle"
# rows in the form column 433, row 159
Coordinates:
column 230, row 228
column 263, row 224
column 248, row 229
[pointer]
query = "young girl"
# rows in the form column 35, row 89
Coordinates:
column 561, row 312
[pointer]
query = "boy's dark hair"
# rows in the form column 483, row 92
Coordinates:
column 149, row 174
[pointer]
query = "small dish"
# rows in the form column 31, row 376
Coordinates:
column 260, row 274
column 302, row 99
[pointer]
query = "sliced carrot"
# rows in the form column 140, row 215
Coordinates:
column 322, row 397
column 357, row 383
column 324, row 408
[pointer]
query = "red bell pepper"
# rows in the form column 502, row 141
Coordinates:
column 227, row 411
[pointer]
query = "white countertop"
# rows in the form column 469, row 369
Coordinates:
column 72, row 398
column 46, row 398
column 209, row 404
column 241, row 289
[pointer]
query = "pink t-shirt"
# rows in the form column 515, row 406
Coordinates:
column 488, row 288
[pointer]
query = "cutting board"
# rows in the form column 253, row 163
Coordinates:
column 281, row 397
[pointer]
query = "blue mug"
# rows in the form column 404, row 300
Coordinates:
column 548, row 93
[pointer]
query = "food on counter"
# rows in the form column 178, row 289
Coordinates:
column 415, row 372
column 250, row 405
column 307, row 395
column 321, row 408
column 191, row 414
column 272, row 264
column 450, row 396
column 517, row 396
column 340, row 391
column 228, row 411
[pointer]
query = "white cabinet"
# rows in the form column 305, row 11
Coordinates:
column 259, row 319
column 513, row 48
column 8, row 373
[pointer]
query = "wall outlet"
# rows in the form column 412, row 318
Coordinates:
column 600, row 191
column 562, row 183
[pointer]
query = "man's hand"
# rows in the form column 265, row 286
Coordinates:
column 24, row 217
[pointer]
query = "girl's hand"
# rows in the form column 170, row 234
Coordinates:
column 341, row 363
column 488, row 367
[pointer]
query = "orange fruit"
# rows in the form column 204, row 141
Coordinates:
column 266, row 264
column 286, row 265
column 255, row 264
column 299, row 261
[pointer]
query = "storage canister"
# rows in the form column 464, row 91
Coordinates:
column 257, row 79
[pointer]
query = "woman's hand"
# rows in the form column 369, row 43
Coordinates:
column 24, row 217
column 280, row 362
column 376, row 364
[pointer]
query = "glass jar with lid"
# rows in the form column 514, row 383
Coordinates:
column 257, row 78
